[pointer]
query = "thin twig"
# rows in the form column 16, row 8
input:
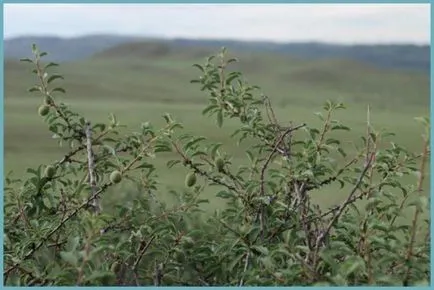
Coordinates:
column 263, row 169
column 246, row 265
column 91, row 166
column 322, row 237
column 158, row 275
column 53, row 231
column 142, row 252
column 417, row 212
column 270, row 156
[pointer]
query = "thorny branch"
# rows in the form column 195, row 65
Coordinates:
column 341, row 208
column 85, row 204
column 264, row 168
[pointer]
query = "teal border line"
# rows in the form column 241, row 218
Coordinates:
column 2, row 143
column 201, row 2
column 220, row 2
column 431, row 145
column 220, row 288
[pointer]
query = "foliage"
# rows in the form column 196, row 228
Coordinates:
column 269, row 233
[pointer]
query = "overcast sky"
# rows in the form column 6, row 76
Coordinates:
column 338, row 23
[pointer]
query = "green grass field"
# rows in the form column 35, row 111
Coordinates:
column 144, row 85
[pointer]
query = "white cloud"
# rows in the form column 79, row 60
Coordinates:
column 347, row 23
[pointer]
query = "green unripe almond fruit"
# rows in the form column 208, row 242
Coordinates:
column 115, row 176
column 220, row 164
column 50, row 171
column 43, row 110
column 190, row 179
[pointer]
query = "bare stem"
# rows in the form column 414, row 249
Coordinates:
column 341, row 209
column 91, row 166
column 417, row 212
column 246, row 265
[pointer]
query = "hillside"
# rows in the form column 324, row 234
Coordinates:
column 162, row 68
column 62, row 49
column 409, row 57
column 140, row 82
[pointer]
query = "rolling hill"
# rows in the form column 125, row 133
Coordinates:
column 409, row 57
column 140, row 81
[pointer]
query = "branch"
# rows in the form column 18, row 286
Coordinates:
column 137, row 261
column 53, row 231
column 322, row 237
column 264, row 167
column 91, row 165
column 246, row 265
column 417, row 212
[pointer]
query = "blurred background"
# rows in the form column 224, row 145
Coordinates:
column 136, row 61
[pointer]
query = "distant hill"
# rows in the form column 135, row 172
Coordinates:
column 63, row 49
column 154, row 49
column 399, row 56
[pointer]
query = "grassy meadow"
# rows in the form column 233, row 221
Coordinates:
column 138, row 83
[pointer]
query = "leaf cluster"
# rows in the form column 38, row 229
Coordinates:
column 271, row 231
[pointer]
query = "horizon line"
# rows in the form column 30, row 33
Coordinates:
column 171, row 38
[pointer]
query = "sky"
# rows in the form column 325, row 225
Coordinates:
column 332, row 23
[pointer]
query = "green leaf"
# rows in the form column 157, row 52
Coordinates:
column 168, row 118
column 342, row 152
column 224, row 194
column 332, row 141
column 54, row 77
column 341, row 127
column 26, row 60
column 261, row 249
column 420, row 203
column 209, row 108
column 193, row 142
column 350, row 265
column 162, row 148
column 46, row 202
column 100, row 275
column 235, row 261
column 50, row 65
column 69, row 257
column 267, row 262
column 144, row 165
column 340, row 106
column 423, row 120
column 172, row 163
column 231, row 77
column 35, row 89
column 61, row 90
column 213, row 149
column 199, row 67
column 73, row 243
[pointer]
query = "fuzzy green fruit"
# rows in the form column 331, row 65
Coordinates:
column 115, row 176
column 220, row 164
column 190, row 179
column 43, row 110
column 50, row 171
